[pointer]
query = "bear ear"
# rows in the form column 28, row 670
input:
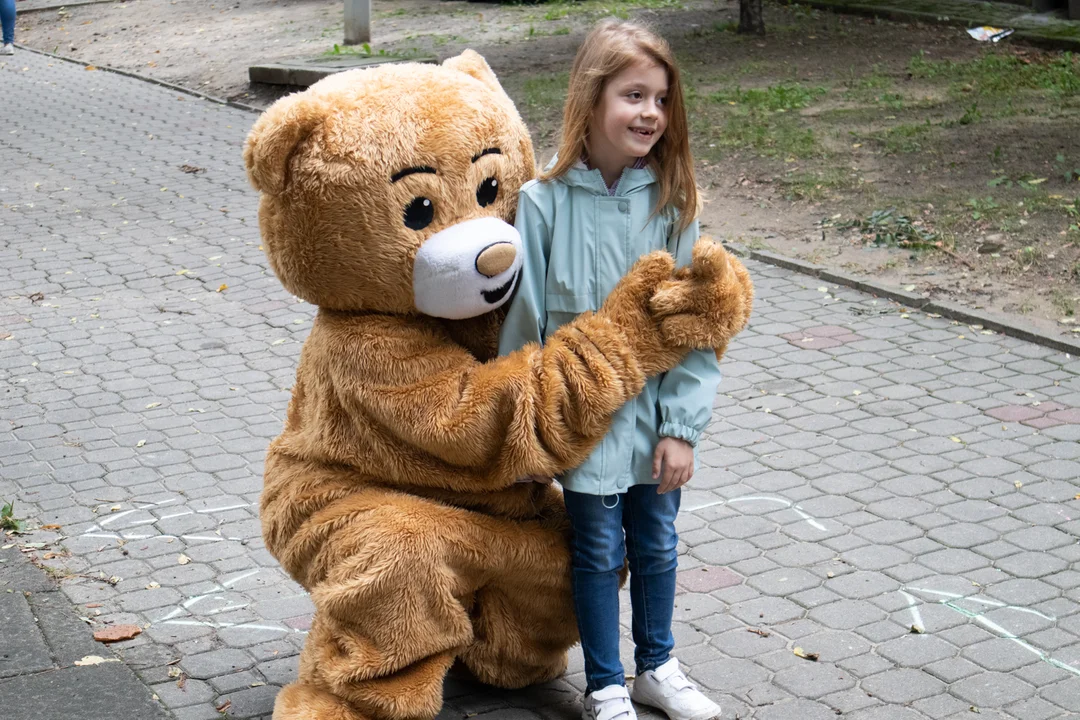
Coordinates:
column 274, row 138
column 473, row 63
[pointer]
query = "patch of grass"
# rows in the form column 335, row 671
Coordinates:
column 772, row 137
column 759, row 119
column 813, row 186
column 1027, row 256
column 905, row 138
column 533, row 32
column 8, row 521
column 999, row 73
column 1063, row 302
column 545, row 91
column 363, row 50
column 726, row 27
column 1070, row 171
column 559, row 9
column 981, row 207
column 869, row 87
column 774, row 98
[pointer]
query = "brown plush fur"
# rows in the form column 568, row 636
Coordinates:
column 391, row 495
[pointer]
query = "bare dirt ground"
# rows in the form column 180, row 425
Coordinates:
column 905, row 152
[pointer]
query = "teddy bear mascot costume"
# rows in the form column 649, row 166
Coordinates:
column 394, row 493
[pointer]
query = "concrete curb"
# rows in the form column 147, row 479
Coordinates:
column 144, row 78
column 950, row 310
column 899, row 14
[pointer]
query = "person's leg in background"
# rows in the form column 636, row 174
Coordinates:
column 7, row 20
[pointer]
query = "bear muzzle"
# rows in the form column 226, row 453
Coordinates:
column 467, row 269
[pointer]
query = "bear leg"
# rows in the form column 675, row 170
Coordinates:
column 523, row 617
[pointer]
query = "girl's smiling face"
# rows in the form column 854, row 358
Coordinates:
column 630, row 117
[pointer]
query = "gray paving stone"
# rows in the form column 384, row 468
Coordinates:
column 902, row 686
column 991, row 690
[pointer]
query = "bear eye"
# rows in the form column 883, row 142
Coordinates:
column 487, row 192
column 419, row 213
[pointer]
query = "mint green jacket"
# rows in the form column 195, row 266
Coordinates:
column 579, row 241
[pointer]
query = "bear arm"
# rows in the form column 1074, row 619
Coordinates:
column 538, row 411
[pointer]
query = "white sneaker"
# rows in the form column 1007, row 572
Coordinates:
column 8, row 49
column 610, row 703
column 667, row 689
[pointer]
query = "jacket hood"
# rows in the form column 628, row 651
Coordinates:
column 632, row 179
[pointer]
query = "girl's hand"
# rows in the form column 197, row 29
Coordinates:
column 676, row 458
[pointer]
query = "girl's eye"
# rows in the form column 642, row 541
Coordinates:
column 635, row 95
column 487, row 192
column 662, row 101
column 419, row 213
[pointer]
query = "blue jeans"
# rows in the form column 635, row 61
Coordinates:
column 600, row 523
column 7, row 20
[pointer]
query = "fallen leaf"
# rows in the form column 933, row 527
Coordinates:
column 955, row 439
column 183, row 559
column 1018, row 484
column 153, row 586
column 916, row 630
column 279, row 341
column 93, row 605
column 51, row 526
column 223, row 707
column 152, row 405
column 799, row 652
column 90, row 68
column 759, row 631
column 182, row 272
column 116, row 633
column 140, row 443
column 94, row 660
column 223, row 287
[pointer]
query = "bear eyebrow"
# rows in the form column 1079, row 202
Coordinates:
column 409, row 171
column 489, row 151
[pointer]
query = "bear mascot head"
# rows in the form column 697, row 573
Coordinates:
column 361, row 166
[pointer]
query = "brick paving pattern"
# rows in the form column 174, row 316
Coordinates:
column 889, row 491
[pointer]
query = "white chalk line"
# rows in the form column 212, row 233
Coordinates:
column 783, row 501
column 98, row 530
column 950, row 602
column 216, row 594
column 913, row 606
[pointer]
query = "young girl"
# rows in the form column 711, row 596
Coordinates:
column 622, row 185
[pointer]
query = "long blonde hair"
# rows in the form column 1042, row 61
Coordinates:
column 611, row 47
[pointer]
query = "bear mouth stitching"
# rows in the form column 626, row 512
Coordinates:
column 494, row 296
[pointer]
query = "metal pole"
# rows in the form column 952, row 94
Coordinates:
column 357, row 22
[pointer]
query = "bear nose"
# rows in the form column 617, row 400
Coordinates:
column 495, row 259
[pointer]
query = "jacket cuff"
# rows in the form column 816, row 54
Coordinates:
column 679, row 431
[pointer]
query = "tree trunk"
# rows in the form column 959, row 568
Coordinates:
column 750, row 17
